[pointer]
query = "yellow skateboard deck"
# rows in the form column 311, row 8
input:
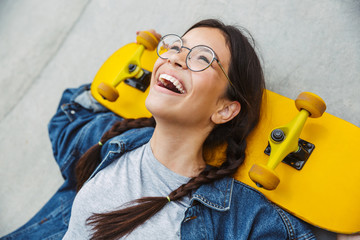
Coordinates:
column 132, row 91
column 325, row 192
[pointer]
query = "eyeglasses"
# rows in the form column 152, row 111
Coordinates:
column 198, row 59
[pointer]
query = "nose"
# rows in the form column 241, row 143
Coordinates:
column 178, row 59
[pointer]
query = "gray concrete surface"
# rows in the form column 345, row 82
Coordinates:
column 47, row 46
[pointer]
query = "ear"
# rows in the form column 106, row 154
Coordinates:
column 227, row 111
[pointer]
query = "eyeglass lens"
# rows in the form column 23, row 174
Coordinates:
column 198, row 59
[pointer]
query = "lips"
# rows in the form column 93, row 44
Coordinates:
column 171, row 83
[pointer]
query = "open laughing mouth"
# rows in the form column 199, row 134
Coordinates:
column 171, row 83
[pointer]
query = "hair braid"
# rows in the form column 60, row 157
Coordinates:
column 119, row 223
column 91, row 158
column 235, row 157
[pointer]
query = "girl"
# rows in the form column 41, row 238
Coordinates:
column 148, row 178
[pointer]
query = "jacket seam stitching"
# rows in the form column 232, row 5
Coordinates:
column 287, row 222
column 206, row 202
column 215, row 206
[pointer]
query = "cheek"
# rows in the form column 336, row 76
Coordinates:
column 151, row 98
column 157, row 64
column 209, row 84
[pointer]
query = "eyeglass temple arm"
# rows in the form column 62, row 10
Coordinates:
column 223, row 70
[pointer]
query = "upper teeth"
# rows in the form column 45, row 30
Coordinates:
column 174, row 81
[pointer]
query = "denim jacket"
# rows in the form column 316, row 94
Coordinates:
column 225, row 209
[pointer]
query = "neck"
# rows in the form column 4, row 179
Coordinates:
column 179, row 148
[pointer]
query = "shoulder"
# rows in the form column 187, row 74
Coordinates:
column 267, row 217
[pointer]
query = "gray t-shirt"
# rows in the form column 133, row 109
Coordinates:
column 136, row 174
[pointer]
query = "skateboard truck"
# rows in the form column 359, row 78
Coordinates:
column 131, row 73
column 296, row 159
column 141, row 83
column 285, row 140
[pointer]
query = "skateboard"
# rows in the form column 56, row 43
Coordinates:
column 121, row 84
column 300, row 158
column 313, row 170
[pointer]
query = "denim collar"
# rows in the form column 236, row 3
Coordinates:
column 216, row 195
column 117, row 146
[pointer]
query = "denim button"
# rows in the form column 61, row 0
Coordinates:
column 72, row 112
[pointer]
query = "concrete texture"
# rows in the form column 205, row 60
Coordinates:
column 47, row 46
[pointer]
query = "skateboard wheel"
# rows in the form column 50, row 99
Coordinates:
column 148, row 40
column 264, row 177
column 108, row 92
column 311, row 103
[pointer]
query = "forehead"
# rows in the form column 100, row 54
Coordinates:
column 212, row 37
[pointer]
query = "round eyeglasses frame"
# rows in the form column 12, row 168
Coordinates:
column 187, row 56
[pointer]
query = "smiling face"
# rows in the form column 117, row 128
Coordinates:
column 182, row 96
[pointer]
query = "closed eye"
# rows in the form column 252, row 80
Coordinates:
column 203, row 58
column 175, row 48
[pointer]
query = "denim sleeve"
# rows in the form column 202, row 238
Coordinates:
column 295, row 228
column 78, row 124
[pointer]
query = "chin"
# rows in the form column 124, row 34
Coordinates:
column 158, row 109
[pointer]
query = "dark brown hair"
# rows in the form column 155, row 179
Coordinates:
column 246, row 75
